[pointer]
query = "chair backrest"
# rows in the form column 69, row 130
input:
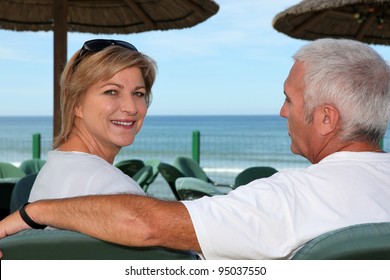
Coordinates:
column 6, row 189
column 252, row 173
column 130, row 166
column 170, row 174
column 190, row 168
column 32, row 166
column 21, row 192
column 154, row 164
column 143, row 175
column 8, row 170
column 36, row 244
column 189, row 188
column 358, row 242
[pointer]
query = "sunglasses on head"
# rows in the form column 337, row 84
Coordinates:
column 97, row 45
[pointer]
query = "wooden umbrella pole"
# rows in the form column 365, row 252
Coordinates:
column 60, row 11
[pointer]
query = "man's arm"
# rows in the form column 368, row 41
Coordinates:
column 125, row 219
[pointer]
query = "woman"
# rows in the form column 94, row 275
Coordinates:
column 105, row 94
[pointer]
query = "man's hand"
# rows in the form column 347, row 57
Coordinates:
column 12, row 224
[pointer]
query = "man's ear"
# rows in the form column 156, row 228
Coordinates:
column 328, row 120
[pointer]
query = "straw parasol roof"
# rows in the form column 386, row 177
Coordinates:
column 106, row 16
column 98, row 17
column 364, row 20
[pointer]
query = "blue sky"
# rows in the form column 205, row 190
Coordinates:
column 234, row 63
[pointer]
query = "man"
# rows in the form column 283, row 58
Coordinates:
column 337, row 106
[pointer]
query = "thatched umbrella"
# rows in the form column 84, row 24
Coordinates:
column 364, row 20
column 98, row 17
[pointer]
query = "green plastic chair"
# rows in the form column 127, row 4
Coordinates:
column 6, row 189
column 252, row 173
column 369, row 241
column 170, row 174
column 143, row 175
column 9, row 175
column 189, row 188
column 130, row 166
column 35, row 244
column 21, row 192
column 32, row 166
column 154, row 164
column 8, row 170
column 191, row 168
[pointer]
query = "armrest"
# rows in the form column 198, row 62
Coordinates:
column 68, row 245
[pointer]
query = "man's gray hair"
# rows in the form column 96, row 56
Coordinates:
column 352, row 77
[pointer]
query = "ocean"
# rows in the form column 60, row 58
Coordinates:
column 228, row 144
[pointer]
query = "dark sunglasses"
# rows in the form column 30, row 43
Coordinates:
column 97, row 45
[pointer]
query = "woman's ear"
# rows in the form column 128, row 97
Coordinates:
column 78, row 112
column 328, row 119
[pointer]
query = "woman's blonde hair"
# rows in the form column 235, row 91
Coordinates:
column 81, row 73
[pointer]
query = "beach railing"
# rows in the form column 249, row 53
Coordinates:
column 36, row 145
column 222, row 156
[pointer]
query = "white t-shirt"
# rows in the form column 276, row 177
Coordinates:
column 67, row 174
column 271, row 218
